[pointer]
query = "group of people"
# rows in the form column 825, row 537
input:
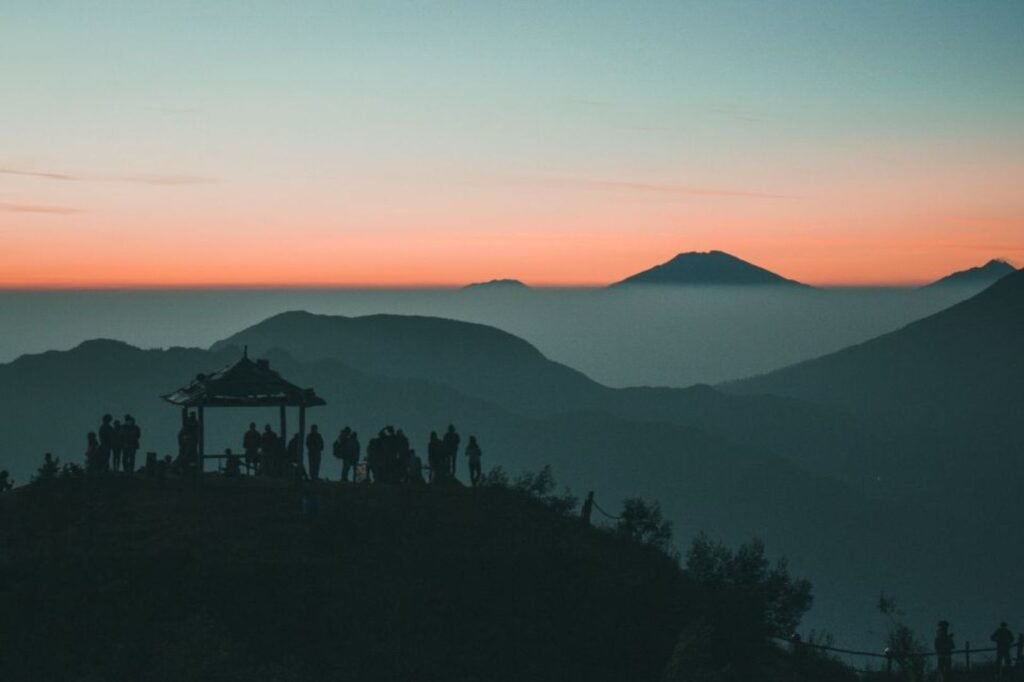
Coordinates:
column 1002, row 638
column 390, row 457
column 112, row 447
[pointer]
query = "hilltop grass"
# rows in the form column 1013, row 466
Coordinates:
column 120, row 577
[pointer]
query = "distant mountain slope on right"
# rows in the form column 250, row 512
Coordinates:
column 982, row 275
column 952, row 383
column 707, row 268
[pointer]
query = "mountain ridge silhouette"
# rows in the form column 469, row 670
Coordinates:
column 993, row 270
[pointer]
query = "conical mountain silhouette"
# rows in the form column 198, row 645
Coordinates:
column 711, row 267
column 991, row 271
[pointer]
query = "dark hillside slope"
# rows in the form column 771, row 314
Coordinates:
column 505, row 371
column 954, row 379
column 121, row 579
column 963, row 364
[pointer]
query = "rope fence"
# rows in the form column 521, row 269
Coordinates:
column 603, row 512
column 892, row 656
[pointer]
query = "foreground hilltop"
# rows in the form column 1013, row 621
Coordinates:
column 123, row 578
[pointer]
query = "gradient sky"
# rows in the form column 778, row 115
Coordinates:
column 409, row 143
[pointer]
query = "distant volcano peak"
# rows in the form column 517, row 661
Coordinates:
column 707, row 268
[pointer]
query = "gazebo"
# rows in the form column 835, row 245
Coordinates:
column 244, row 383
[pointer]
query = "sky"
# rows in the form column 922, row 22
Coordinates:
column 565, row 143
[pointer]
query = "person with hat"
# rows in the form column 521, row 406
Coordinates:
column 131, row 434
column 944, row 650
column 1004, row 640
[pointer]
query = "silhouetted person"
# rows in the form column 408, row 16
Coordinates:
column 474, row 453
column 402, row 454
column 388, row 464
column 588, row 508
column 92, row 453
column 131, row 436
column 347, row 449
column 451, row 447
column 338, row 450
column 188, row 446
column 1004, row 640
column 251, row 442
column 232, row 465
column 6, row 482
column 436, row 458
column 116, row 445
column 106, row 438
column 293, row 459
column 315, row 446
column 414, row 468
column 944, row 650
column 375, row 457
column 268, row 451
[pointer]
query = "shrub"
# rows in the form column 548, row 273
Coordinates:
column 642, row 522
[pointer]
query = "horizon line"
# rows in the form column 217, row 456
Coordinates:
column 424, row 286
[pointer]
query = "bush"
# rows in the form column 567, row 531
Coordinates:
column 742, row 601
column 538, row 485
column 643, row 522
column 48, row 470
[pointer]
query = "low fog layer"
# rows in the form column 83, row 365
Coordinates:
column 660, row 336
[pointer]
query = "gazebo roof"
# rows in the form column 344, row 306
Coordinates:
column 243, row 384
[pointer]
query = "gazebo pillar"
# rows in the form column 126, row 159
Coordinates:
column 302, row 435
column 284, row 426
column 202, row 441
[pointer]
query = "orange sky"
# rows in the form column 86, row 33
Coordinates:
column 374, row 144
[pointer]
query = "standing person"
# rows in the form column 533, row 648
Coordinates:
column 402, row 454
column 451, row 447
column 131, row 435
column 338, row 449
column 436, row 458
column 106, row 438
column 414, row 471
column 315, row 446
column 117, row 444
column 588, row 508
column 350, row 452
column 474, row 453
column 92, row 453
column 944, row 650
column 251, row 447
column 374, row 455
column 268, row 451
column 1004, row 640
column 292, row 458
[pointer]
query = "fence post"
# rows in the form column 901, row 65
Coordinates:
column 967, row 656
column 888, row 662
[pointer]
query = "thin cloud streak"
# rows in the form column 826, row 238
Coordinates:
column 143, row 179
column 661, row 188
column 37, row 208
column 63, row 177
